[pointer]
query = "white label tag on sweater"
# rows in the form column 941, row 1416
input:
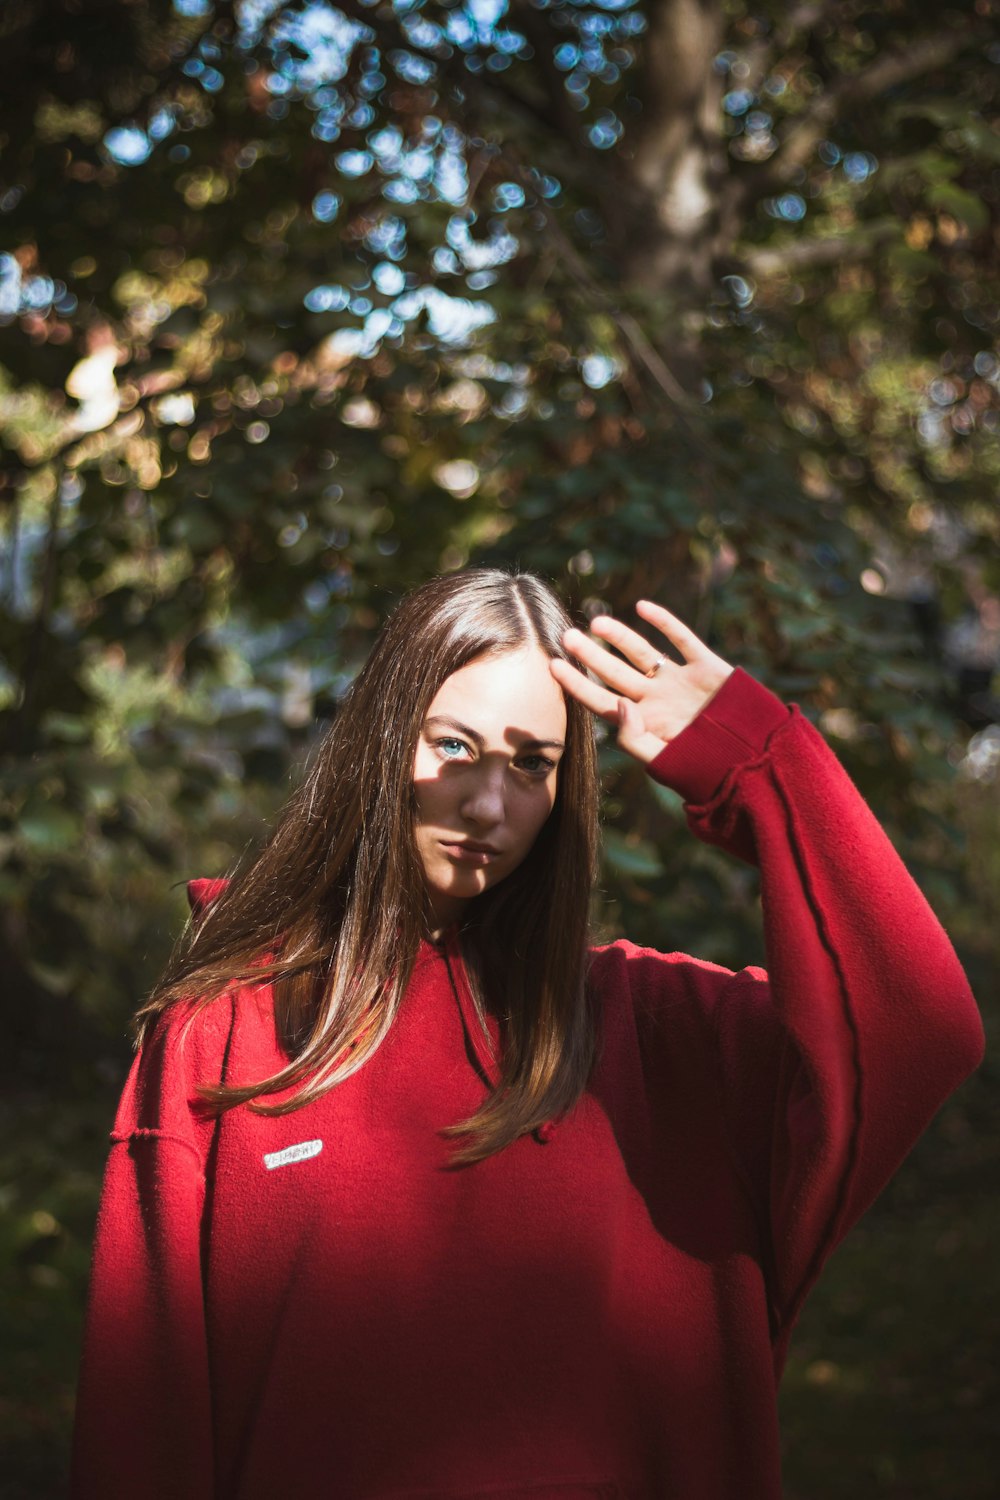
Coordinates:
column 301, row 1152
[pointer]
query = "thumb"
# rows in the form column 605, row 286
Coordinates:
column 633, row 735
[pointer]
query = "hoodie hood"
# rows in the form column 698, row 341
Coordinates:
column 201, row 894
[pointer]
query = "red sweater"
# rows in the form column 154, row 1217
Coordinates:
column 314, row 1305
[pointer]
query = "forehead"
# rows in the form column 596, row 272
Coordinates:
column 510, row 696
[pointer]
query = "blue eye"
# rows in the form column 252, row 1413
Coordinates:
column 451, row 749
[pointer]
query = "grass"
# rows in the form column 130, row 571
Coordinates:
column 50, row 1170
column 893, row 1386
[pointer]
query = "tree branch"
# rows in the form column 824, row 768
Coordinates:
column 628, row 328
column 832, row 250
column 22, row 716
column 794, row 27
column 558, row 114
column 888, row 72
column 547, row 107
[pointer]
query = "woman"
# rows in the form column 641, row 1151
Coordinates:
column 420, row 1197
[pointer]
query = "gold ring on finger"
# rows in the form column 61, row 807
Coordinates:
column 658, row 663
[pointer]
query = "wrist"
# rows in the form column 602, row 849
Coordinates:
column 732, row 727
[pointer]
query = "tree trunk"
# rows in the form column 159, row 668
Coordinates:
column 674, row 157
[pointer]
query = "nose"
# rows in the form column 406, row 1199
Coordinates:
column 484, row 802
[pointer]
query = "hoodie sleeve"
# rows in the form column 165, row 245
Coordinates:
column 834, row 1061
column 143, row 1419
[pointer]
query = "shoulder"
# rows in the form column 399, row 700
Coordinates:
column 190, row 1033
column 667, row 987
column 189, row 1044
column 646, row 973
column 691, row 1022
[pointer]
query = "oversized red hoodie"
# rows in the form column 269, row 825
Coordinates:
column 316, row 1305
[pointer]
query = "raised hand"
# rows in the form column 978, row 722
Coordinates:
column 648, row 697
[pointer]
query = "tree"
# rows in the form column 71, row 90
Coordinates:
column 729, row 338
column 301, row 303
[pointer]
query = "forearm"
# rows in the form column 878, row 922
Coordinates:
column 880, row 1022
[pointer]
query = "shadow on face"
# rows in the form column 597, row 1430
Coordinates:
column 485, row 774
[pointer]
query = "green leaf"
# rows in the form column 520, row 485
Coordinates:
column 964, row 206
column 982, row 140
column 69, row 727
column 631, row 856
column 670, row 801
column 48, row 829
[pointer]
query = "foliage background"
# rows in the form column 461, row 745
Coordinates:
column 302, row 303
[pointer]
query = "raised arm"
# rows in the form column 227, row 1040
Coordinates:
column 864, row 1023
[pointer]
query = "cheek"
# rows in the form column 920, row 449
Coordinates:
column 422, row 765
column 537, row 815
column 426, row 786
column 434, row 800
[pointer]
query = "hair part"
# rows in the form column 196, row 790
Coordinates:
column 332, row 910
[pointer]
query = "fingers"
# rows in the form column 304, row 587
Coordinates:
column 621, row 712
column 640, row 653
column 676, row 632
column 643, row 656
column 618, row 675
column 590, row 694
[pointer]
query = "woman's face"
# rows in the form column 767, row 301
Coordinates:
column 485, row 774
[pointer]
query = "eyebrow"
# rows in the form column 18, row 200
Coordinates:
column 477, row 738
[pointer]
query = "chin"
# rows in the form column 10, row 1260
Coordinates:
column 466, row 887
column 463, row 885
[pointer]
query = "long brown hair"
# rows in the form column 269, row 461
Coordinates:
column 333, row 908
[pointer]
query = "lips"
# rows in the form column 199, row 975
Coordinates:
column 469, row 852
